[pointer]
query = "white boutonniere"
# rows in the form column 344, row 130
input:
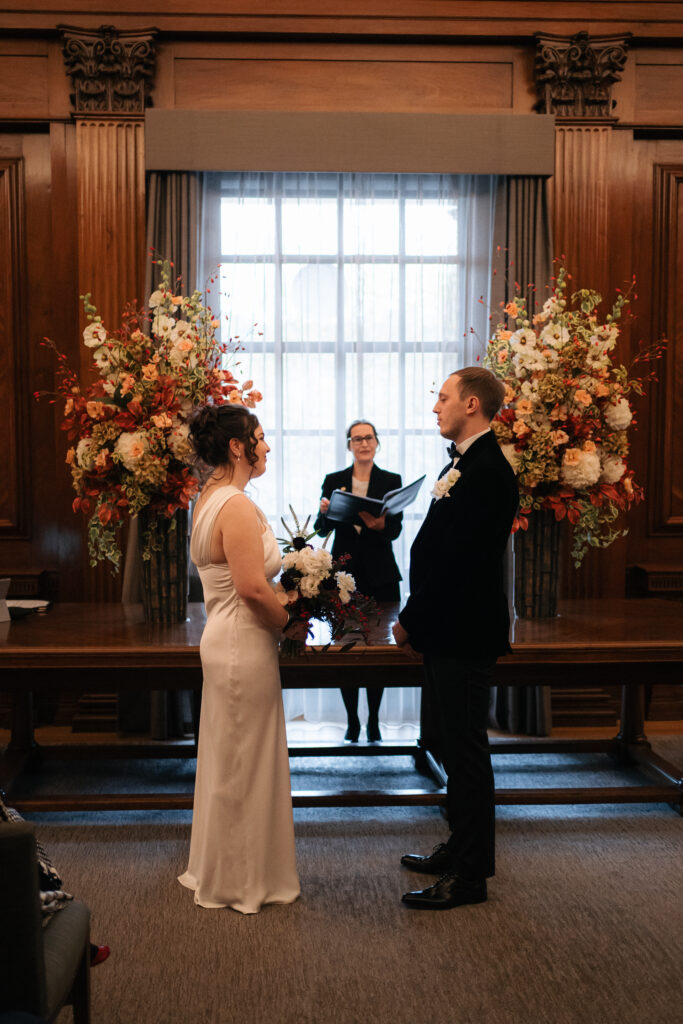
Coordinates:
column 443, row 486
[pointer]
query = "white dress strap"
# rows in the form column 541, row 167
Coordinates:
column 203, row 523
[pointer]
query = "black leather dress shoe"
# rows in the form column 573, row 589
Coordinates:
column 449, row 891
column 353, row 731
column 438, row 862
column 373, row 733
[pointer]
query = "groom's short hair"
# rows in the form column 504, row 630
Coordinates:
column 475, row 380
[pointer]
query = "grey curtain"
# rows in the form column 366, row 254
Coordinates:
column 174, row 210
column 523, row 232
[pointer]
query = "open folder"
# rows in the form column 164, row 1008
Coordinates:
column 345, row 506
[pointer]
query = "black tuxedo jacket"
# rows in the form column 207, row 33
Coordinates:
column 372, row 560
column 457, row 604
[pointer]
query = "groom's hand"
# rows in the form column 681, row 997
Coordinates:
column 402, row 639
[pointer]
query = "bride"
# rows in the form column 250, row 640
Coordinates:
column 242, row 845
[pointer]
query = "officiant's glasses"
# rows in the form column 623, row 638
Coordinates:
column 366, row 438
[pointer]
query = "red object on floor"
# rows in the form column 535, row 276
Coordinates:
column 100, row 956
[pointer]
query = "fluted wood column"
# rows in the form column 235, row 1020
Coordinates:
column 575, row 77
column 111, row 241
column 111, row 73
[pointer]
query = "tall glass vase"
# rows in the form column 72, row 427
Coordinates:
column 164, row 575
column 537, row 566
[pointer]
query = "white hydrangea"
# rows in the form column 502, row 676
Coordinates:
column 618, row 416
column 580, row 469
column 613, row 468
column 94, row 335
column 314, row 561
column 85, row 454
column 346, row 584
column 131, row 447
column 309, row 586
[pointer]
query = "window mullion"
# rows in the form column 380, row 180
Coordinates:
column 279, row 349
column 340, row 352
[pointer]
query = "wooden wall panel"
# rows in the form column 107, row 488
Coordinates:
column 427, row 87
column 666, row 468
column 14, row 465
column 659, row 93
column 23, row 86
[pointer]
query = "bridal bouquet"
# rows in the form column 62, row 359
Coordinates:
column 564, row 423
column 129, row 425
column 314, row 586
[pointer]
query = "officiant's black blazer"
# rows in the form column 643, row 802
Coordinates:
column 457, row 604
column 372, row 560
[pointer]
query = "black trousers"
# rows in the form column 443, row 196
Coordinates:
column 459, row 693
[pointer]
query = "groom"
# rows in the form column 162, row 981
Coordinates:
column 457, row 616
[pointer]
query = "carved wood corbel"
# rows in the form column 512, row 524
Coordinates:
column 111, row 71
column 575, row 75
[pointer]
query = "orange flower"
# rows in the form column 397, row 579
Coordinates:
column 601, row 390
column 504, row 335
column 509, row 395
column 162, row 420
column 628, row 484
column 149, row 371
column 502, row 355
column 520, row 428
column 589, row 446
column 70, row 455
column 583, row 397
column 512, row 309
column 572, row 457
column 95, row 410
column 524, row 407
column 68, row 406
column 235, row 396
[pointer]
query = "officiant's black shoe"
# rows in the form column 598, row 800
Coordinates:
column 353, row 731
column 438, row 862
column 374, row 735
column 450, row 891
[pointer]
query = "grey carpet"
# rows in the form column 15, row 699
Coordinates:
column 584, row 923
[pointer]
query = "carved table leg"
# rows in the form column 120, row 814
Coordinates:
column 632, row 726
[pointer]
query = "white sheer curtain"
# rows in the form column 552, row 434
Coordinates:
column 354, row 295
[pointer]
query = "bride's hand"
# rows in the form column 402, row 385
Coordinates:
column 324, row 505
column 297, row 629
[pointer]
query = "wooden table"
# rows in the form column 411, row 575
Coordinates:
column 107, row 647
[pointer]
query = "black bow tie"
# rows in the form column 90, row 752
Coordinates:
column 453, row 451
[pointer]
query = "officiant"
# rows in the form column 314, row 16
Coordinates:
column 368, row 543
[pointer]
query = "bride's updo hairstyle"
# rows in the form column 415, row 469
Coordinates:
column 213, row 427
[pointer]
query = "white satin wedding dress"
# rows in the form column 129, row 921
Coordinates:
column 242, row 845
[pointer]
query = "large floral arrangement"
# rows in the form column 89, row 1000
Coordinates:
column 129, row 425
column 315, row 586
column 566, row 414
